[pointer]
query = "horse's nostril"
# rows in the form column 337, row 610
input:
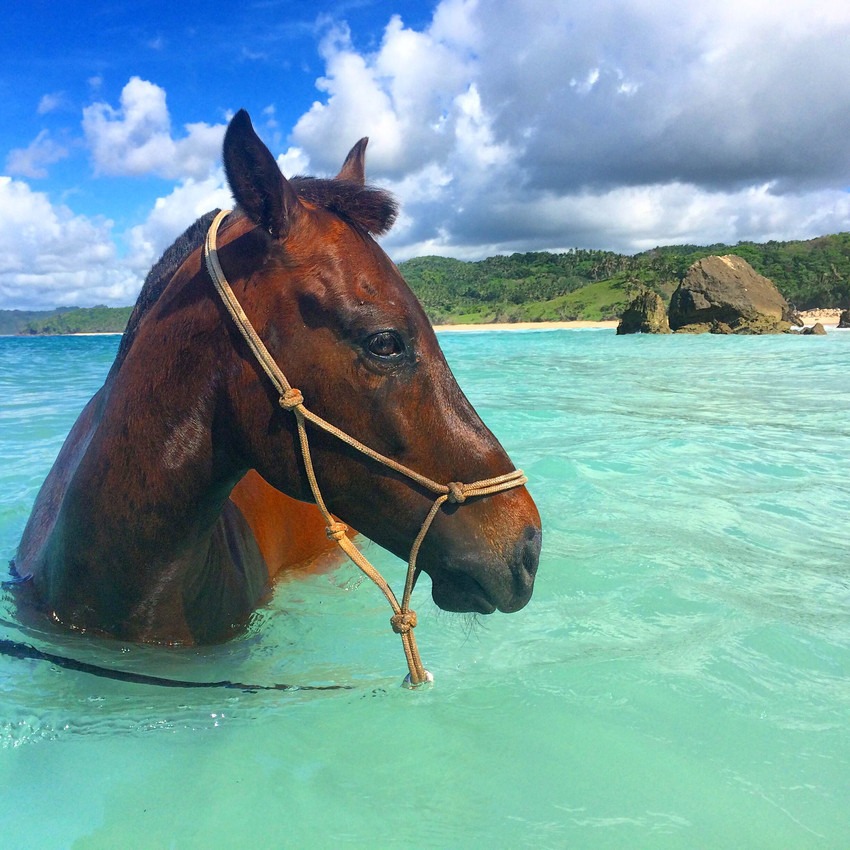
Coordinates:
column 528, row 551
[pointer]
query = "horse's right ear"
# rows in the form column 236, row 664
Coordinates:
column 354, row 167
column 259, row 188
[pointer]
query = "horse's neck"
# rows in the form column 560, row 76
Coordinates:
column 151, row 469
column 141, row 504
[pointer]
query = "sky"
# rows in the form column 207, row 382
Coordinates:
column 500, row 126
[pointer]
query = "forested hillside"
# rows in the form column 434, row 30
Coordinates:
column 14, row 321
column 538, row 286
column 582, row 284
column 81, row 320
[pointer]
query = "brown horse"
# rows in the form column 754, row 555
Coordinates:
column 180, row 492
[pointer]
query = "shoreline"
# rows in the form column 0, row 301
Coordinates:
column 527, row 326
column 828, row 318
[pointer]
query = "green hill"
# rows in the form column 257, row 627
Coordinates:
column 582, row 284
column 80, row 320
column 12, row 322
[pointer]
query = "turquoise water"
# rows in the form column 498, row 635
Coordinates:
column 680, row 678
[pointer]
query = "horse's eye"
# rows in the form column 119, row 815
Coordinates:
column 385, row 344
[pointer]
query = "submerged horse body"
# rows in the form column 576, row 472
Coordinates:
column 180, row 491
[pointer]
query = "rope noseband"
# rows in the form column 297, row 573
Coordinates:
column 403, row 620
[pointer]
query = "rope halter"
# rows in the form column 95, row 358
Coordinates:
column 403, row 620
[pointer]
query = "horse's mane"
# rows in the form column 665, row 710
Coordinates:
column 159, row 276
column 369, row 209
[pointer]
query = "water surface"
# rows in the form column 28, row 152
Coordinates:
column 680, row 678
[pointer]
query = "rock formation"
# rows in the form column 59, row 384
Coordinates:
column 646, row 314
column 844, row 319
column 726, row 295
column 817, row 329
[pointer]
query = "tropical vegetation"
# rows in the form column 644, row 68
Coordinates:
column 594, row 285
column 79, row 320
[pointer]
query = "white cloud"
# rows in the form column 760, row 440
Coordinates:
column 171, row 215
column 401, row 96
column 51, row 102
column 632, row 218
column 32, row 161
column 475, row 144
column 456, row 24
column 619, row 125
column 135, row 139
column 294, row 161
column 586, row 85
column 52, row 257
column 718, row 95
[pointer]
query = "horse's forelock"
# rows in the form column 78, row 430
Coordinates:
column 373, row 210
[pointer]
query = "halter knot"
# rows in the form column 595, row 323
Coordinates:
column 291, row 399
column 336, row 531
column 457, row 492
column 403, row 622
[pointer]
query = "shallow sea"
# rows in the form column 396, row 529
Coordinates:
column 680, row 679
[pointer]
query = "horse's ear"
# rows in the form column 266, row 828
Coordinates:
column 255, row 180
column 354, row 167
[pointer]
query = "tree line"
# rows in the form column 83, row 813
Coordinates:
column 77, row 320
column 598, row 284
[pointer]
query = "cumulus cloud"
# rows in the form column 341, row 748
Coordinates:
column 619, row 125
column 171, row 215
column 402, row 96
column 632, row 93
column 136, row 139
column 52, row 257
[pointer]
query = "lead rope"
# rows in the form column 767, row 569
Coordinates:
column 403, row 620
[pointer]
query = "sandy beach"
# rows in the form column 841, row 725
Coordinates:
column 528, row 326
column 828, row 318
column 825, row 317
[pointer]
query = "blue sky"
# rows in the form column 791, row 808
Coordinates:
column 60, row 56
column 529, row 125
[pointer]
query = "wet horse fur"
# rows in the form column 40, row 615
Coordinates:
column 180, row 494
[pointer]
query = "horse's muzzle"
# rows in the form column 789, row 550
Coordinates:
column 470, row 583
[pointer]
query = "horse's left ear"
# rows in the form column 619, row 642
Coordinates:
column 354, row 167
column 255, row 180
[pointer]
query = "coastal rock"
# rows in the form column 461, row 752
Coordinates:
column 844, row 319
column 696, row 328
column 727, row 292
column 817, row 329
column 646, row 314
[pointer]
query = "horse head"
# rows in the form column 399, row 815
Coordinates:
column 336, row 315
